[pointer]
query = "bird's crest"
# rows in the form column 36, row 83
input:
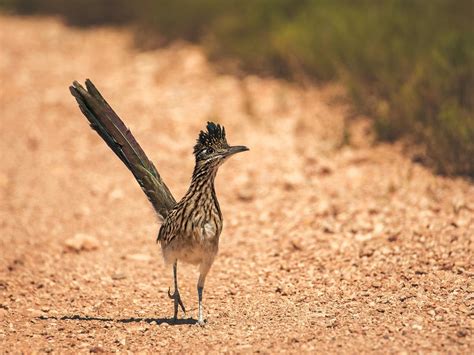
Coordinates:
column 214, row 137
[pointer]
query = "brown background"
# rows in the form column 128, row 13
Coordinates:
column 325, row 248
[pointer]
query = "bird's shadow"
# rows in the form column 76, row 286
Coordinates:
column 158, row 321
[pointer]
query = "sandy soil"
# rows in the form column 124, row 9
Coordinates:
column 327, row 249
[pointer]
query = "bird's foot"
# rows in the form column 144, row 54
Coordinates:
column 177, row 302
column 201, row 321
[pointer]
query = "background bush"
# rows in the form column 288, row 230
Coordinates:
column 408, row 63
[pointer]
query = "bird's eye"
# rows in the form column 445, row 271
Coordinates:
column 210, row 150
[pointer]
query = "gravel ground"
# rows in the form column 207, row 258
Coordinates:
column 326, row 247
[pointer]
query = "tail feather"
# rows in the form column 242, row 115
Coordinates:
column 118, row 137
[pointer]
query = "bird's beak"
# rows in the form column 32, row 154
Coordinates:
column 236, row 149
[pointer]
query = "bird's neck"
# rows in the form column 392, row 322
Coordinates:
column 202, row 182
column 202, row 194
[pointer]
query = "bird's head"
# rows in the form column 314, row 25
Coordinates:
column 212, row 147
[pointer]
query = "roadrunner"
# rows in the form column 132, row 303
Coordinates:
column 191, row 228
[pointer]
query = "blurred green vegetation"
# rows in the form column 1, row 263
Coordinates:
column 408, row 63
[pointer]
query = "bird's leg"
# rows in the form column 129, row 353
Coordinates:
column 175, row 296
column 200, row 318
column 200, row 288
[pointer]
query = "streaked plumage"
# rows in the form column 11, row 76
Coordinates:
column 191, row 228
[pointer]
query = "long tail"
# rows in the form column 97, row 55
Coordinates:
column 119, row 138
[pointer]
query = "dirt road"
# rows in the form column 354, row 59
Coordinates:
column 347, row 250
